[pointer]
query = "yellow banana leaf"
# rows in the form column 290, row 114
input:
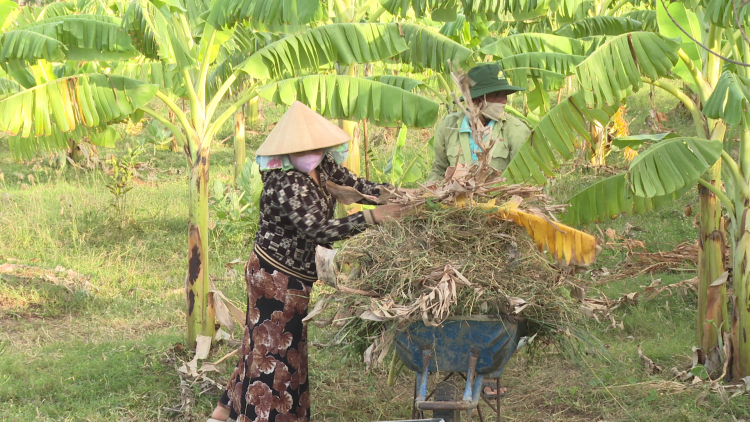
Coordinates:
column 564, row 243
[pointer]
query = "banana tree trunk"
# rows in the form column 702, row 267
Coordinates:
column 173, row 146
column 365, row 133
column 712, row 304
column 741, row 313
column 740, row 350
column 200, row 312
column 366, row 137
column 601, row 146
column 712, row 311
column 353, row 162
column 239, row 142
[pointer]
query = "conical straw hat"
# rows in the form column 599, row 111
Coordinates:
column 301, row 129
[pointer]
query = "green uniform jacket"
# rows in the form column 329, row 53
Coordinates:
column 509, row 130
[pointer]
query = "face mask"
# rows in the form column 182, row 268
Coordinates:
column 493, row 111
column 307, row 162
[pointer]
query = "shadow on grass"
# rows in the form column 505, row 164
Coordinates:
column 34, row 297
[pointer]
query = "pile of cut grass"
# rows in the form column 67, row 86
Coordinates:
column 445, row 263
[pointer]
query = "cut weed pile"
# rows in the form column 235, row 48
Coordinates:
column 456, row 258
column 453, row 262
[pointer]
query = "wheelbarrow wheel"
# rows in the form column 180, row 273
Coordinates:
column 446, row 391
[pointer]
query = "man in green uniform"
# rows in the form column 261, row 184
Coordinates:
column 453, row 134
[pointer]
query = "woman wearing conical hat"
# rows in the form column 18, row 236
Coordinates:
column 301, row 154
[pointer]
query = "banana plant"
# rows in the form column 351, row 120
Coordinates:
column 185, row 43
column 671, row 166
column 292, row 55
column 618, row 60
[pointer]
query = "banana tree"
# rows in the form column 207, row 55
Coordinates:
column 672, row 166
column 180, row 40
column 292, row 55
column 579, row 46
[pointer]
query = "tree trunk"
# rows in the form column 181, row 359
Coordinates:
column 239, row 142
column 601, row 145
column 253, row 110
column 353, row 162
column 366, row 138
column 174, row 146
column 711, row 300
column 741, row 311
column 200, row 312
column 740, row 365
column 365, row 132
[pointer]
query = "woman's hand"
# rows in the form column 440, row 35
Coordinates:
column 388, row 212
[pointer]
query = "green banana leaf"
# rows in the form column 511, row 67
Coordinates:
column 407, row 84
column 721, row 12
column 66, row 103
column 352, row 98
column 534, row 43
column 558, row 132
column 647, row 18
column 227, row 13
column 635, row 141
column 689, row 21
column 729, row 100
column 551, row 68
column 342, row 43
column 599, row 25
column 440, row 10
column 614, row 70
column 428, row 49
column 75, row 37
column 670, row 165
column 610, row 198
column 568, row 11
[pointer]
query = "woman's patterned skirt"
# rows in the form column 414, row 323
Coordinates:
column 269, row 383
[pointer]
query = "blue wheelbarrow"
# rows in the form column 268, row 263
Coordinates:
column 475, row 348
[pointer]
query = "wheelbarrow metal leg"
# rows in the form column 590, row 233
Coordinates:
column 426, row 356
column 497, row 403
column 471, row 392
column 471, row 375
column 479, row 412
column 415, row 413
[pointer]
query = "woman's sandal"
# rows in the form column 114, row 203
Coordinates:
column 496, row 386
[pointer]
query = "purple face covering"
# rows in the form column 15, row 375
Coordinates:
column 307, row 162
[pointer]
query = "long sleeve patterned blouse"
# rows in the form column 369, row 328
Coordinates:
column 296, row 215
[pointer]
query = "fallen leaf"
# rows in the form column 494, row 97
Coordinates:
column 347, row 195
column 221, row 311
column 238, row 315
column 367, row 357
column 208, row 367
column 202, row 346
column 325, row 265
column 221, row 335
column 651, row 367
column 234, row 262
column 722, row 279
column 319, row 307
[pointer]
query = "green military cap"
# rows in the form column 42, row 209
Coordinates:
column 489, row 78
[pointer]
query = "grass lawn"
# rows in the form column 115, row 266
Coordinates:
column 97, row 344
